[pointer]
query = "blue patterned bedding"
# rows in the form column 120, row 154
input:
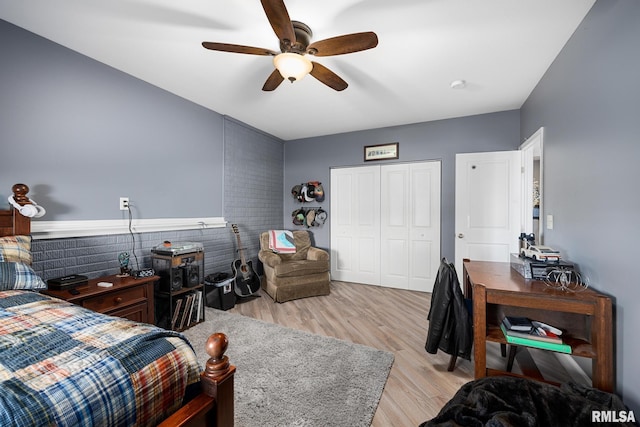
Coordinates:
column 63, row 365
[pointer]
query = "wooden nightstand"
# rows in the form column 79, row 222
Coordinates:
column 129, row 297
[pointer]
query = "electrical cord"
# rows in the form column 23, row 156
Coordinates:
column 133, row 237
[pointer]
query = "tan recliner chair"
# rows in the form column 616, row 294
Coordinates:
column 299, row 275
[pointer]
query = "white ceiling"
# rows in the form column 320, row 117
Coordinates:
column 501, row 48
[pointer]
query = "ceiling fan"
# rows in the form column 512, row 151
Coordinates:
column 291, row 63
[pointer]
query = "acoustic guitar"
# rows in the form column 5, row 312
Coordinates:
column 246, row 280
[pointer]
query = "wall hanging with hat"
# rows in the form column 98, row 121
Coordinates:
column 308, row 192
column 309, row 217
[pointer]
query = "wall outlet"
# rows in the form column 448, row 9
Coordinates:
column 124, row 203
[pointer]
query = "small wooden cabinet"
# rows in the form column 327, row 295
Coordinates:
column 129, row 297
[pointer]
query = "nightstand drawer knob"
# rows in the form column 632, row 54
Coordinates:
column 117, row 300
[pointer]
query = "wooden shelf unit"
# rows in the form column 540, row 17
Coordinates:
column 585, row 317
column 181, row 275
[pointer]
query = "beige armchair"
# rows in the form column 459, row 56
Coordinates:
column 292, row 276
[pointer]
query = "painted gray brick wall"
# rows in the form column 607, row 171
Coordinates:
column 254, row 182
column 97, row 256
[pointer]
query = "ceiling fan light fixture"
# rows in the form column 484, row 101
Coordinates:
column 292, row 66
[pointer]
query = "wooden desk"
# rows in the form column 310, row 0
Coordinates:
column 586, row 317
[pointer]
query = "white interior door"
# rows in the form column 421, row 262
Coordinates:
column 488, row 203
column 355, row 224
column 394, row 226
column 410, row 225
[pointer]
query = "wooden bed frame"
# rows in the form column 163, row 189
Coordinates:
column 214, row 406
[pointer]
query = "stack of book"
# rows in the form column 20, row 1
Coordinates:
column 523, row 331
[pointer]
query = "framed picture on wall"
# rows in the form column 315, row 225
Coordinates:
column 381, row 152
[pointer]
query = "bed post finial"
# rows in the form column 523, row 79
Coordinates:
column 20, row 194
column 218, row 363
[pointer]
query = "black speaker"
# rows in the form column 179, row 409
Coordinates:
column 171, row 278
column 191, row 275
column 177, row 278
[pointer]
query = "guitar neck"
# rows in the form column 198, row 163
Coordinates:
column 240, row 249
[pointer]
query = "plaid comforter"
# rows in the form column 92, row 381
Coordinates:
column 63, row 365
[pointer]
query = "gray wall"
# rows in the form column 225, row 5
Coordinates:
column 82, row 134
column 588, row 105
column 311, row 159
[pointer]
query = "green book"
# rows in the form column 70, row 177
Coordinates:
column 559, row 347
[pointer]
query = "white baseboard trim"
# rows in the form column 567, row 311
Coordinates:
column 64, row 229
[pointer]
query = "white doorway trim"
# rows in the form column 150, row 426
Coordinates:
column 532, row 155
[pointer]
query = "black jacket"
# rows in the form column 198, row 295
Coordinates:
column 450, row 327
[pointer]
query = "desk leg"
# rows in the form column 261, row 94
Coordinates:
column 602, row 342
column 480, row 330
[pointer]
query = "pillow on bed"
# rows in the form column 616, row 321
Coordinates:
column 15, row 249
column 17, row 275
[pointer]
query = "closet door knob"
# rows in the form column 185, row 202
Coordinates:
column 460, row 236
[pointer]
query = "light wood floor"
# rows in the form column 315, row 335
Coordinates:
column 388, row 319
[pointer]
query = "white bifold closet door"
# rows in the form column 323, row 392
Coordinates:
column 385, row 226
column 355, row 224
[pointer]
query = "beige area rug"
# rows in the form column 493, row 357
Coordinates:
column 287, row 377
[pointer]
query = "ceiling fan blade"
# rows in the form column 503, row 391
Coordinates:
column 340, row 45
column 279, row 19
column 236, row 48
column 273, row 81
column 328, row 77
